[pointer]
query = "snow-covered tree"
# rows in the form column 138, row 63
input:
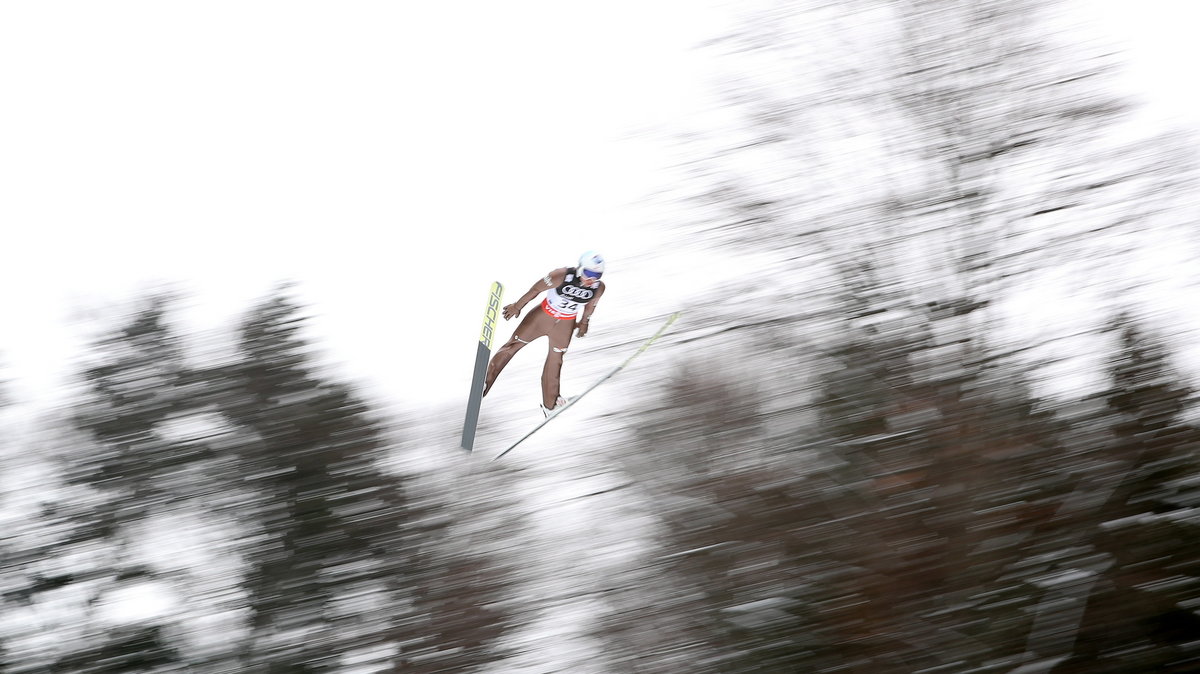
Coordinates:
column 326, row 553
column 345, row 565
column 119, row 554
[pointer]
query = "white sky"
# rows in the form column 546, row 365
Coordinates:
column 395, row 158
column 1160, row 38
column 392, row 157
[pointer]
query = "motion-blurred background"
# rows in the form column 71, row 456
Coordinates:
column 930, row 406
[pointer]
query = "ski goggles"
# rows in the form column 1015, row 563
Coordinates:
column 592, row 274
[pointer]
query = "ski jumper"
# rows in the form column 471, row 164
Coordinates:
column 555, row 318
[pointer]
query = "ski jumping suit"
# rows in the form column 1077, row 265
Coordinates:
column 555, row 319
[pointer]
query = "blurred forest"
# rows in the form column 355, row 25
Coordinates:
column 851, row 465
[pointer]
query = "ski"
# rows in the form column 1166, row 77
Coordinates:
column 483, row 353
column 589, row 389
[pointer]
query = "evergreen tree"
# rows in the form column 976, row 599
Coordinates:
column 118, row 470
column 61, row 571
column 345, row 562
column 262, row 460
column 328, row 559
column 136, row 385
column 1139, row 614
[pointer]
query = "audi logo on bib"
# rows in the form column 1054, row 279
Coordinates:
column 582, row 294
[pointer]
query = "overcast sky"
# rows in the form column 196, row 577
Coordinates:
column 392, row 157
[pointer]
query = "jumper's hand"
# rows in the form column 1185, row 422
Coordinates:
column 511, row 311
column 581, row 329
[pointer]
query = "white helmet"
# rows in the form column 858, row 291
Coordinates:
column 591, row 265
